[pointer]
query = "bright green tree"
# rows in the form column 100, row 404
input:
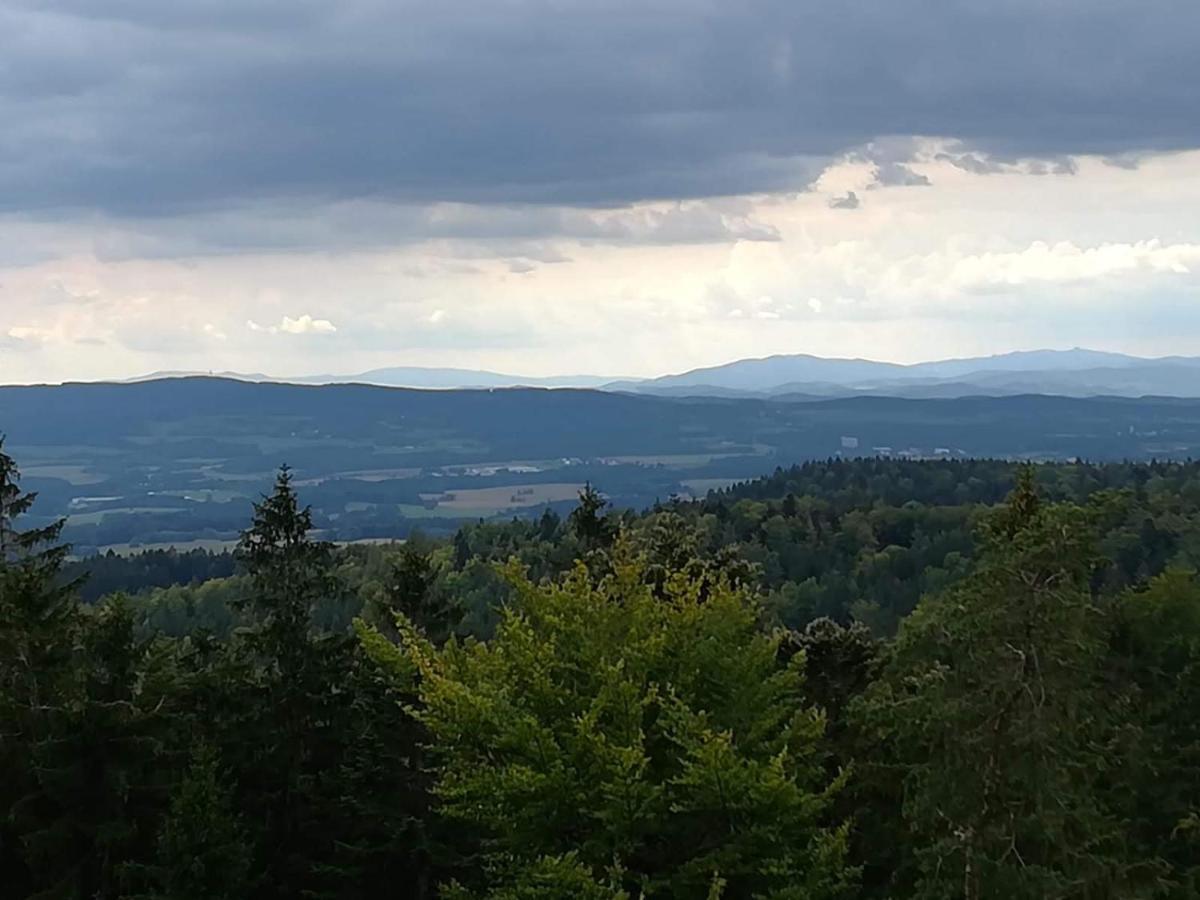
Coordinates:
column 607, row 741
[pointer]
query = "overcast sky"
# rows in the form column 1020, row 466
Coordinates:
column 568, row 186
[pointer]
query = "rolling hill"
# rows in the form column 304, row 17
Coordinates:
column 178, row 460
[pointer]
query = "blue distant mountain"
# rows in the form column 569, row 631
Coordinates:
column 1077, row 373
column 1074, row 373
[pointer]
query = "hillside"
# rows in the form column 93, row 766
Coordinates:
column 180, row 460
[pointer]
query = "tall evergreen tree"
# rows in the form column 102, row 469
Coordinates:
column 414, row 593
column 287, row 731
column 593, row 529
column 203, row 847
column 39, row 683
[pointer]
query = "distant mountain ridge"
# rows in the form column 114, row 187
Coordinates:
column 1077, row 372
column 407, row 376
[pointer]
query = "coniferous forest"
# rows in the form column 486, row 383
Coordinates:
column 850, row 679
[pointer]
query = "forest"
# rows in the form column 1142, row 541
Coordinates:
column 178, row 462
column 850, row 679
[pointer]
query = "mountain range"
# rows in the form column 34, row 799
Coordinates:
column 1074, row 373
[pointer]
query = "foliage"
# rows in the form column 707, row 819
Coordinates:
column 995, row 710
column 609, row 737
column 851, row 678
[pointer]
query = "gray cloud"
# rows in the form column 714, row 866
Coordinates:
column 975, row 163
column 894, row 174
column 141, row 109
column 8, row 342
column 848, row 201
column 482, row 231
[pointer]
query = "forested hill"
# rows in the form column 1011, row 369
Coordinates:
column 182, row 460
column 851, row 539
column 582, row 422
column 803, row 687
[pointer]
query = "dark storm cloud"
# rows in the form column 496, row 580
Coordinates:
column 142, row 108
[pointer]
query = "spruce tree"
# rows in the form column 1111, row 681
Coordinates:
column 593, row 529
column 39, row 686
column 413, row 592
column 203, row 847
column 286, row 736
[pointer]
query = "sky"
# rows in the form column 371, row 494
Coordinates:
column 569, row 186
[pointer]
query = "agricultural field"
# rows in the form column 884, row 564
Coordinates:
column 181, row 461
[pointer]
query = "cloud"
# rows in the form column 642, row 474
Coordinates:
column 978, row 163
column 849, row 200
column 29, row 334
column 1065, row 262
column 894, row 174
column 479, row 231
column 136, row 111
column 975, row 163
column 305, row 324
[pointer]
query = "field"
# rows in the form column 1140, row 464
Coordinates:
column 506, row 497
column 180, row 461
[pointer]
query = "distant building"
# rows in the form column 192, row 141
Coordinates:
column 849, row 443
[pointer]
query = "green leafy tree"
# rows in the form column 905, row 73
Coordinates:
column 608, row 741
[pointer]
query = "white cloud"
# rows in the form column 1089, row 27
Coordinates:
column 1065, row 261
column 436, row 316
column 306, row 324
column 27, row 333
